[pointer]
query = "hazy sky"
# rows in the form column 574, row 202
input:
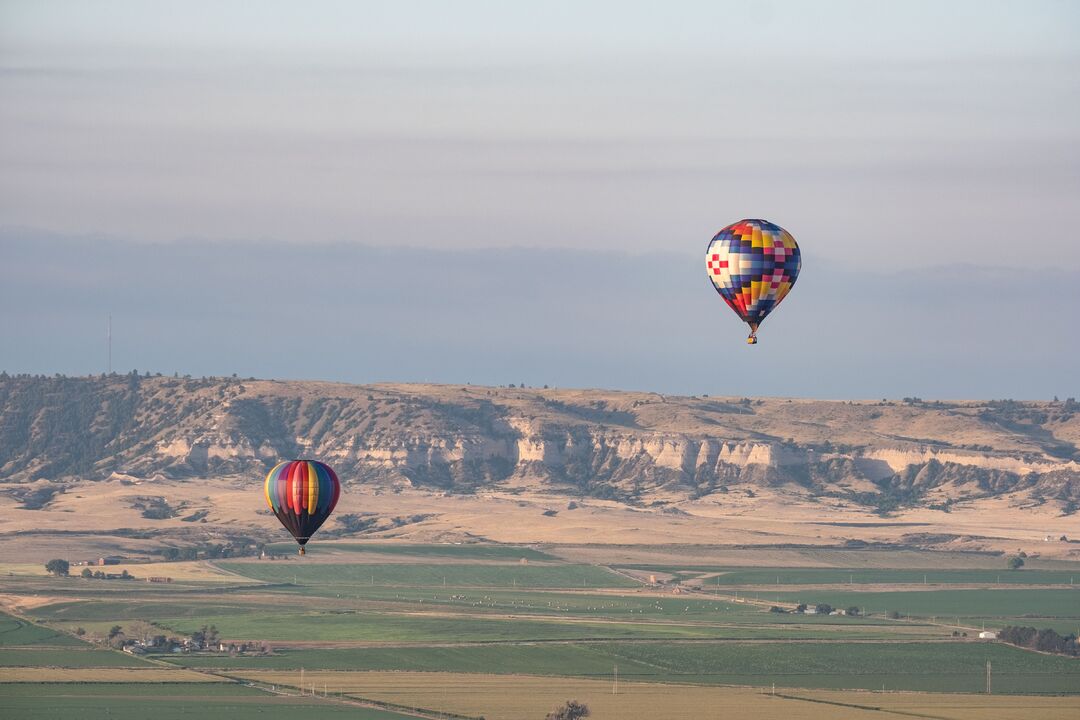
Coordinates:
column 891, row 138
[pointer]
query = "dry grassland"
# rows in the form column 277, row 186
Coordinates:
column 104, row 675
column 501, row 697
column 199, row 570
column 770, row 518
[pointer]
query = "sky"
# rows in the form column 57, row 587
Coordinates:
column 924, row 154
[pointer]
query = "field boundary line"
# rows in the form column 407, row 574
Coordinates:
column 873, row 708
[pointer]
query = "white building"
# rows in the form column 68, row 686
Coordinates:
column 988, row 635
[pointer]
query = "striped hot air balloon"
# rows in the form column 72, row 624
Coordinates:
column 302, row 494
column 753, row 264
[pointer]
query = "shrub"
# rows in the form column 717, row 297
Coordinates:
column 572, row 710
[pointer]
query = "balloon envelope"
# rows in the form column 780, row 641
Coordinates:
column 302, row 494
column 753, row 264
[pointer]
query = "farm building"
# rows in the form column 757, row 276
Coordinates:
column 988, row 635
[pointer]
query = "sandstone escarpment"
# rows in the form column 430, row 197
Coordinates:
column 599, row 443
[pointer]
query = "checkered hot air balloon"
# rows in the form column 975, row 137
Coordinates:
column 753, row 264
column 302, row 494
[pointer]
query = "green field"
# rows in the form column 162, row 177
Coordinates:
column 67, row 657
column 101, row 611
column 116, row 701
column 953, row 666
column 1035, row 603
column 864, row 576
column 558, row 619
column 431, row 575
column 469, row 552
column 16, row 632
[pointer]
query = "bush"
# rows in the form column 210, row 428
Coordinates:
column 894, row 615
column 1015, row 563
column 87, row 573
column 824, row 608
column 572, row 710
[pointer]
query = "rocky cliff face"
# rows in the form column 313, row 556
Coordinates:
column 599, row 443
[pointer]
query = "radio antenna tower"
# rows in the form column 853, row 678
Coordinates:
column 108, row 346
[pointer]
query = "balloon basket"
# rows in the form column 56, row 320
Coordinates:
column 302, row 550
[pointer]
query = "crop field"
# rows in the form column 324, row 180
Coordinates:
column 343, row 626
column 941, row 603
column 70, row 657
column 472, row 630
column 509, row 553
column 942, row 667
column 867, row 576
column 148, row 674
column 501, row 697
column 130, row 701
column 432, row 575
column 14, row 631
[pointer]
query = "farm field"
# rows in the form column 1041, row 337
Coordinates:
column 499, row 697
column 1037, row 603
column 197, row 572
column 432, row 575
column 505, row 639
column 142, row 674
column 508, row 553
column 14, row 631
column 863, row 576
column 936, row 667
column 127, row 701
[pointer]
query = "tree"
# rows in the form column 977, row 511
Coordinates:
column 140, row 630
column 853, row 610
column 824, row 608
column 894, row 615
column 572, row 710
column 115, row 630
column 1016, row 562
column 57, row 567
column 87, row 573
column 800, row 608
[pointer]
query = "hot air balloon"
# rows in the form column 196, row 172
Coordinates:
column 302, row 493
column 753, row 264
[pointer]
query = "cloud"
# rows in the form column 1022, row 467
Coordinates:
column 564, row 317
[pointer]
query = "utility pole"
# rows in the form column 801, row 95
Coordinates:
column 615, row 686
column 301, row 681
column 988, row 688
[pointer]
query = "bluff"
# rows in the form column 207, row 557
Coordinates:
column 597, row 443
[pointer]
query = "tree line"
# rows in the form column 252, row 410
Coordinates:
column 1046, row 640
